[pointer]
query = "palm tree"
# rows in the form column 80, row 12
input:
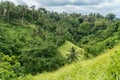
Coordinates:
column 110, row 16
column 33, row 9
column 58, row 33
column 23, row 10
column 73, row 55
column 8, row 10
column 1, row 8
column 42, row 10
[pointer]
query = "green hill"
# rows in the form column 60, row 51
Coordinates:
column 64, row 49
column 103, row 67
column 34, row 43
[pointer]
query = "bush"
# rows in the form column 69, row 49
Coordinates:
column 114, row 66
column 45, row 58
column 9, row 67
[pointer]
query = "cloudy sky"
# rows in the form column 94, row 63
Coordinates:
column 79, row 6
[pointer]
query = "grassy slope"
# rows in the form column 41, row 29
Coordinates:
column 99, row 68
column 95, row 69
column 64, row 49
column 15, row 31
column 12, row 32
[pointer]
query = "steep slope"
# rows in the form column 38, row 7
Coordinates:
column 16, row 36
column 65, row 48
column 103, row 67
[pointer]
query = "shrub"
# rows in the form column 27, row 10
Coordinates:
column 9, row 67
column 45, row 58
column 114, row 67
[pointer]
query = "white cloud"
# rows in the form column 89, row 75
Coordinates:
column 79, row 6
column 15, row 1
column 31, row 3
column 69, row 2
column 107, row 6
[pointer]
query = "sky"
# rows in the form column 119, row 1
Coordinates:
column 79, row 6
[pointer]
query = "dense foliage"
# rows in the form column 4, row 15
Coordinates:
column 73, row 55
column 34, row 35
column 45, row 58
column 104, row 67
column 9, row 67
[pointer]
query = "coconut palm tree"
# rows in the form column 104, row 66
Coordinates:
column 33, row 9
column 73, row 55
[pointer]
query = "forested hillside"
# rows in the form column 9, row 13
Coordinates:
column 103, row 67
column 35, row 41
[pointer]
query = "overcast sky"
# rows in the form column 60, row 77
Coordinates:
column 79, row 6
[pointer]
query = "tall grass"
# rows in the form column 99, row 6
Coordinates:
column 103, row 67
column 65, row 48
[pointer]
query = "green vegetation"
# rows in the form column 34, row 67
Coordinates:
column 9, row 67
column 65, row 48
column 103, row 67
column 36, row 41
column 73, row 55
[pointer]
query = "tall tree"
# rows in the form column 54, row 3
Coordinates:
column 59, row 32
column 73, row 55
column 110, row 16
column 42, row 10
column 8, row 6
column 1, row 10
column 22, row 11
column 8, row 10
column 33, row 9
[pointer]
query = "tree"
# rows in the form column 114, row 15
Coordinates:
column 110, row 16
column 81, row 19
column 100, row 24
column 84, row 28
column 59, row 33
column 8, row 6
column 9, row 67
column 99, row 15
column 22, row 9
column 1, row 10
column 73, row 56
column 33, row 9
column 19, row 9
column 23, row 12
column 42, row 10
column 45, row 58
column 8, row 10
